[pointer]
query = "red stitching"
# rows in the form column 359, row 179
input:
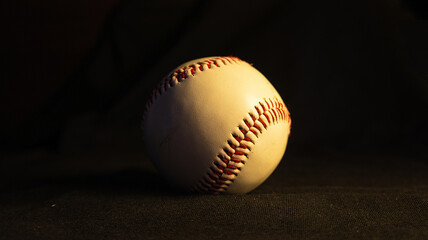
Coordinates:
column 258, row 110
column 243, row 146
column 258, row 127
column 253, row 131
column 252, row 116
column 274, row 113
column 231, row 170
column 178, row 75
column 267, row 117
column 242, row 130
column 218, row 177
column 263, row 122
column 239, row 153
column 247, row 123
column 237, row 138
column 228, row 172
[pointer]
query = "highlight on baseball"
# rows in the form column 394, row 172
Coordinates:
column 216, row 125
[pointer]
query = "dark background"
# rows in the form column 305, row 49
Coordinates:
column 76, row 74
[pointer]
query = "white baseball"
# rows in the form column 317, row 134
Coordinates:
column 216, row 125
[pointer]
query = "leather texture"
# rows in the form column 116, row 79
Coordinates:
column 195, row 116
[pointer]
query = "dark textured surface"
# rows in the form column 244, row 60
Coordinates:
column 352, row 73
column 319, row 196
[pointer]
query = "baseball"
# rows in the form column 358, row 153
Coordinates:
column 216, row 125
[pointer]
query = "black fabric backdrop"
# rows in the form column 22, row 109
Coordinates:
column 353, row 75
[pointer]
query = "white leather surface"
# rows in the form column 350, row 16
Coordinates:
column 186, row 126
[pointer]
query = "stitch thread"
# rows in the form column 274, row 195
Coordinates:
column 234, row 155
column 183, row 73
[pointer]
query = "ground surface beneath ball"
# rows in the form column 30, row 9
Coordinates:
column 319, row 196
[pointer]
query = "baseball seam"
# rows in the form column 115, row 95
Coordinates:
column 228, row 163
column 183, row 73
column 233, row 156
